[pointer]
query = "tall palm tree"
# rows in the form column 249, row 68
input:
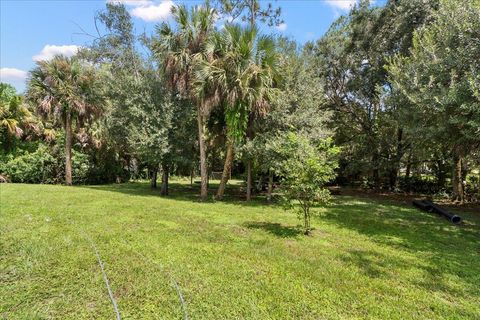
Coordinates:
column 244, row 71
column 180, row 51
column 66, row 90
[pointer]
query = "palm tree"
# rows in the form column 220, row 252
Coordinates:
column 244, row 70
column 65, row 89
column 180, row 51
column 15, row 117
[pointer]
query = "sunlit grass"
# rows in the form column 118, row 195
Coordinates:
column 365, row 259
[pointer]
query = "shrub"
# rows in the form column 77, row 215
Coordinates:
column 44, row 165
column 35, row 167
column 305, row 168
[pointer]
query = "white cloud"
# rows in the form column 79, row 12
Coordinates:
column 281, row 27
column 12, row 74
column 153, row 12
column 341, row 4
column 49, row 51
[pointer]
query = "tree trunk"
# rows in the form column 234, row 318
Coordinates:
column 457, row 181
column 375, row 171
column 441, row 173
column 398, row 157
column 7, row 146
column 249, row 180
column 153, row 181
column 408, row 169
column 252, row 13
column 203, row 158
column 68, row 149
column 226, row 171
column 191, row 176
column 306, row 219
column 165, row 174
column 270, row 186
column 249, row 161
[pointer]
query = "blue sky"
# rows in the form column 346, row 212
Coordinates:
column 37, row 29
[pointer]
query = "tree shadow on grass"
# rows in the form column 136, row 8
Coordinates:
column 181, row 192
column 275, row 228
column 447, row 251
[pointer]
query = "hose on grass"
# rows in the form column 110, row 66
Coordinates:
column 107, row 284
column 104, row 274
column 172, row 279
column 105, row 278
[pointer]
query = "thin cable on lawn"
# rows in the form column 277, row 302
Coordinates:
column 110, row 293
column 175, row 284
column 105, row 278
column 180, row 296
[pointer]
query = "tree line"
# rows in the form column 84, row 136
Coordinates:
column 387, row 98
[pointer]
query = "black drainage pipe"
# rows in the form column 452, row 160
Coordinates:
column 429, row 206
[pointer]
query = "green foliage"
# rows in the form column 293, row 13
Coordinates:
column 43, row 166
column 250, row 11
column 380, row 78
column 150, row 113
column 440, row 77
column 296, row 107
column 244, row 71
column 139, row 118
column 182, row 49
column 305, row 169
column 16, row 119
column 351, row 59
column 65, row 86
column 35, row 167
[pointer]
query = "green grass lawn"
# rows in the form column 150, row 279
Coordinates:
column 231, row 260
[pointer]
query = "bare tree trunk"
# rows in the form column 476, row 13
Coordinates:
column 457, row 183
column 306, row 219
column 153, row 182
column 203, row 158
column 250, row 135
column 398, row 157
column 252, row 13
column 270, row 186
column 408, row 169
column 375, row 172
column 226, row 171
column 165, row 174
column 68, row 149
column 191, row 176
column 249, row 180
column 441, row 173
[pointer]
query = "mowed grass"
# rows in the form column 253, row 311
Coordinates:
column 231, row 260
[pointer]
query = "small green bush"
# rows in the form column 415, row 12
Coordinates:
column 305, row 167
column 44, row 165
column 31, row 167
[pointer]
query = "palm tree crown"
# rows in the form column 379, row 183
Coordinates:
column 244, row 71
column 64, row 86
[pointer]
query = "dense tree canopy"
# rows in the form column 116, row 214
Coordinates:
column 393, row 89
